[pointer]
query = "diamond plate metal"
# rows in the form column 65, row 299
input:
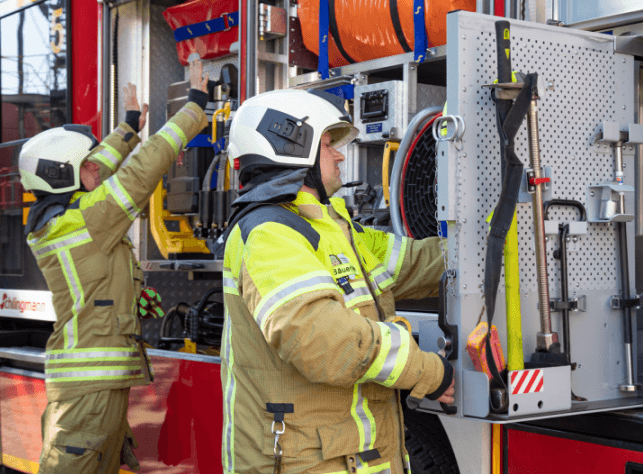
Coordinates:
column 165, row 68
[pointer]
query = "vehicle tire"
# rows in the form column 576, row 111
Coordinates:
column 429, row 448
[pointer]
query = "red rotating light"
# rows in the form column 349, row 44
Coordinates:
column 537, row 181
column 237, row 165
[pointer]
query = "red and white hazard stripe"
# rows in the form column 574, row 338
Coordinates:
column 526, row 381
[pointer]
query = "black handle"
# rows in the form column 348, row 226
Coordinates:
column 568, row 203
column 450, row 331
column 448, row 409
column 503, row 50
column 413, row 403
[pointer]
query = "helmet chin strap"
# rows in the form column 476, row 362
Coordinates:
column 314, row 179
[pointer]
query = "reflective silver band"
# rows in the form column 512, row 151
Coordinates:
column 366, row 423
column 125, row 201
column 391, row 357
column 190, row 113
column 229, row 282
column 92, row 355
column 358, row 292
column 93, row 373
column 63, row 243
column 120, row 131
column 382, row 277
column 288, row 290
column 114, row 160
column 75, row 288
column 231, row 386
column 395, row 254
column 174, row 136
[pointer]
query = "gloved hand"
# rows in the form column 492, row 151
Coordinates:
column 127, row 453
column 149, row 304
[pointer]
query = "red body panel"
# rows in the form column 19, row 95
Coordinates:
column 540, row 454
column 177, row 420
column 85, row 25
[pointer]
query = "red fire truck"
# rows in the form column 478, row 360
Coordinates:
column 64, row 61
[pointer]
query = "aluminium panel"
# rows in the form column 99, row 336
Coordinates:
column 588, row 83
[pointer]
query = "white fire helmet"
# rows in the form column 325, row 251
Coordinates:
column 50, row 162
column 283, row 128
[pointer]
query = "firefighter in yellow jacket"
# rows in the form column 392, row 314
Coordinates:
column 77, row 232
column 312, row 361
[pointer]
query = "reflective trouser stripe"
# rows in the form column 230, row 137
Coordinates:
column 109, row 156
column 77, row 295
column 394, row 353
column 67, row 242
column 122, row 197
column 282, row 294
column 229, row 392
column 364, row 419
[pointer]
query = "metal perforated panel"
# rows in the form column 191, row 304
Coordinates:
column 585, row 84
column 568, row 118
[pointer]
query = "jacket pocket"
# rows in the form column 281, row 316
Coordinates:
column 342, row 439
column 102, row 319
column 294, row 441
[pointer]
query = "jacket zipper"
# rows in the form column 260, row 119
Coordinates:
column 380, row 311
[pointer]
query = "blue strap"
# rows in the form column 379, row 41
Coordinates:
column 346, row 91
column 203, row 141
column 207, row 27
column 421, row 41
column 323, row 39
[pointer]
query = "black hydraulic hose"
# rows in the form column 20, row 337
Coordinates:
column 193, row 315
column 564, row 292
column 625, row 281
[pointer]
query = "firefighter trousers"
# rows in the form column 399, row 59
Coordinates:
column 84, row 434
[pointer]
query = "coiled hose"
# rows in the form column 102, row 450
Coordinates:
column 400, row 157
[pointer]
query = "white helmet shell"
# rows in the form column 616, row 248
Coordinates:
column 284, row 128
column 51, row 160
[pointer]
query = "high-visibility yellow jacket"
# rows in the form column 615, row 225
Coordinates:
column 298, row 340
column 89, row 266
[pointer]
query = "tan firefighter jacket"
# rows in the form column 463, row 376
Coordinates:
column 89, row 266
column 309, row 297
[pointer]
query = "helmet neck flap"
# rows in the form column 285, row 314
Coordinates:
column 314, row 179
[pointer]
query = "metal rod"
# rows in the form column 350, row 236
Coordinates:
column 545, row 337
column 554, row 10
column 629, row 385
column 564, row 291
column 618, row 172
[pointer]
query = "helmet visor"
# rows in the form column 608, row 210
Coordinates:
column 341, row 134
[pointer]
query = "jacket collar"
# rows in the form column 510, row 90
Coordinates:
column 306, row 205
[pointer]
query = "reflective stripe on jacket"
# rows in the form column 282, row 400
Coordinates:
column 91, row 270
column 295, row 333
